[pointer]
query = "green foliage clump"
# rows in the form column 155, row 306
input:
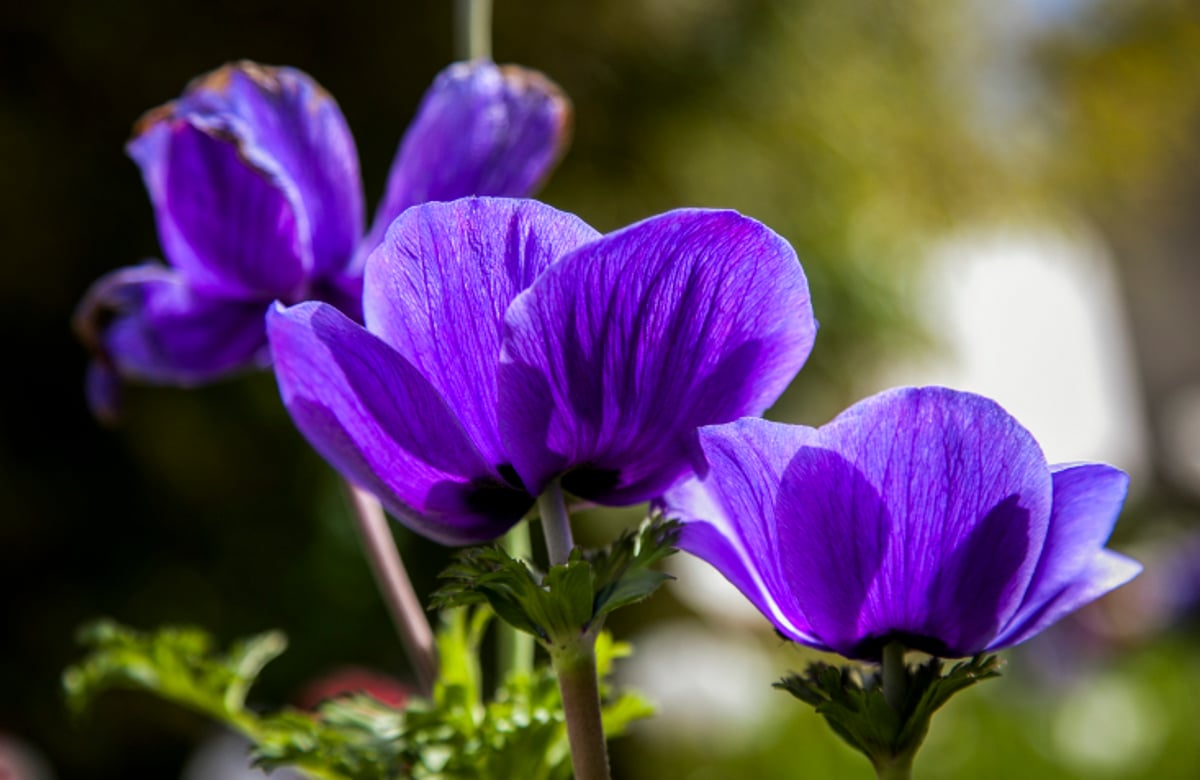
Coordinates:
column 856, row 708
column 459, row 733
column 571, row 600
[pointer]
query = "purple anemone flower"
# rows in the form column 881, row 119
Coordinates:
column 924, row 516
column 508, row 344
column 254, row 180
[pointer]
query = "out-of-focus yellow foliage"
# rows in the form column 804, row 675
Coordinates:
column 1128, row 89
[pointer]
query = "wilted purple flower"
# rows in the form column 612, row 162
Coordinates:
column 508, row 344
column 921, row 515
column 254, row 180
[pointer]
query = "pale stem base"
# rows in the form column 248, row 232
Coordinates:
column 394, row 585
column 556, row 524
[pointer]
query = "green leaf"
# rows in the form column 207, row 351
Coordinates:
column 570, row 591
column 931, row 689
column 623, row 574
column 488, row 575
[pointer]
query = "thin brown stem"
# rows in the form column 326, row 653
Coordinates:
column 394, row 585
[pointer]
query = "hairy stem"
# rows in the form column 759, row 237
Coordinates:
column 576, row 669
column 395, row 586
column 473, row 29
column 516, row 647
column 556, row 524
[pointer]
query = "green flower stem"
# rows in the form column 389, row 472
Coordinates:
column 576, row 670
column 556, row 524
column 900, row 769
column 516, row 649
column 574, row 658
column 895, row 684
column 395, row 586
column 895, row 676
column 473, row 29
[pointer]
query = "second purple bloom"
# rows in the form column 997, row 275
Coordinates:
column 508, row 344
column 254, row 179
column 923, row 516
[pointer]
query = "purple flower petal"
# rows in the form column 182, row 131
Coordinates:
column 1087, row 499
column 378, row 421
column 146, row 323
column 1105, row 571
column 832, row 535
column 918, row 515
column 438, row 286
column 617, row 353
column 481, row 130
column 730, row 515
column 289, row 128
column 228, row 226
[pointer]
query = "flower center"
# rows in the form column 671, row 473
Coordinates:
column 871, row 648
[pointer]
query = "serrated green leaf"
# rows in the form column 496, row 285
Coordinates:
column 488, row 574
column 630, row 589
column 932, row 690
column 567, row 608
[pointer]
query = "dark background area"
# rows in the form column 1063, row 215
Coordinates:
column 844, row 128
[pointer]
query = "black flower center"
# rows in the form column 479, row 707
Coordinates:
column 871, row 648
column 589, row 482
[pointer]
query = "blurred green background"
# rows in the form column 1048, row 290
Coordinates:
column 886, row 140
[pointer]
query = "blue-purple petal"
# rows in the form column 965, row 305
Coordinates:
column 379, row 422
column 919, row 515
column 285, row 124
column 621, row 350
column 1104, row 572
column 831, row 529
column 438, row 286
column 1087, row 499
column 729, row 515
column 146, row 323
column 481, row 129
column 228, row 226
